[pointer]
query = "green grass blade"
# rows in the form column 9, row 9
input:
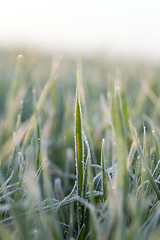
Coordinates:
column 38, row 132
column 87, row 162
column 79, row 145
column 104, row 188
column 148, row 172
column 81, row 233
column 120, row 135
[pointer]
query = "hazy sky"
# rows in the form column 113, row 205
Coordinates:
column 124, row 26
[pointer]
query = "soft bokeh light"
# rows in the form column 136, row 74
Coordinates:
column 116, row 27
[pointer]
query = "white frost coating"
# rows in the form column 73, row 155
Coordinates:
column 7, row 181
column 88, row 161
column 78, row 99
column 137, row 168
column 21, row 158
column 158, row 163
column 21, row 161
column 103, row 145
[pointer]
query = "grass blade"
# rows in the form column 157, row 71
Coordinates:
column 104, row 188
column 148, row 172
column 79, row 145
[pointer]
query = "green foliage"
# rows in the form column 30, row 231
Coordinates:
column 79, row 144
column 51, row 190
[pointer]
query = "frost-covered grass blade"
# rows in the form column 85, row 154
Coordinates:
column 79, row 143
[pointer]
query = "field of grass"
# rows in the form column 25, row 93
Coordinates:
column 79, row 148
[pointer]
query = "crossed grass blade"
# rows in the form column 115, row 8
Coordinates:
column 25, row 130
column 148, row 172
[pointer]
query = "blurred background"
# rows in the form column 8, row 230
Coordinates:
column 119, row 43
column 117, row 40
column 108, row 28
